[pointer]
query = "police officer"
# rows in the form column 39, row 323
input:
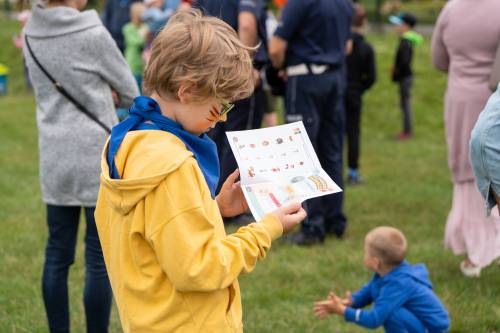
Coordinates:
column 310, row 45
column 247, row 18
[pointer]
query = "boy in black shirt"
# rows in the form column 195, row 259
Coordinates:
column 361, row 74
column 402, row 72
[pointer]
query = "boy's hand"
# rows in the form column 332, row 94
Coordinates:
column 332, row 305
column 290, row 215
column 347, row 301
column 231, row 200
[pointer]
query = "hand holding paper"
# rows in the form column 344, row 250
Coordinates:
column 290, row 215
column 278, row 165
column 230, row 199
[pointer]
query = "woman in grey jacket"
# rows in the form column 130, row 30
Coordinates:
column 77, row 51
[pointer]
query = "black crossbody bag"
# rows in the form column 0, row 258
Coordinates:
column 63, row 91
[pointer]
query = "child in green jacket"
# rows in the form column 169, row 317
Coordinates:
column 135, row 33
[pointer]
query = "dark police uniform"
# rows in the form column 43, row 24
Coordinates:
column 247, row 113
column 317, row 32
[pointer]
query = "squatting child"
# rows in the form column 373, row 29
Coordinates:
column 402, row 293
column 402, row 72
column 171, row 265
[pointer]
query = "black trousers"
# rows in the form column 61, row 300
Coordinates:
column 318, row 100
column 405, row 86
column 353, row 126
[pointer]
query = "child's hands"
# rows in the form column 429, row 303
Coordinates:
column 347, row 301
column 290, row 215
column 231, row 200
column 331, row 305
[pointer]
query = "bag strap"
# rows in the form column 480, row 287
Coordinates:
column 57, row 85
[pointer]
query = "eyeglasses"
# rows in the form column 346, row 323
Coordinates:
column 226, row 107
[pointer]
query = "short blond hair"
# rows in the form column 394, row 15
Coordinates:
column 202, row 52
column 388, row 244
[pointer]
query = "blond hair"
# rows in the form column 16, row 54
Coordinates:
column 388, row 244
column 203, row 53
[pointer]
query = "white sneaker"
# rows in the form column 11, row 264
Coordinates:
column 470, row 271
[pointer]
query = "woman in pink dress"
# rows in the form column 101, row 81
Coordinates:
column 465, row 39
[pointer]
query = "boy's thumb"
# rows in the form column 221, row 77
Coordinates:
column 291, row 208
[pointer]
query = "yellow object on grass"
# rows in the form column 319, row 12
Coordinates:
column 4, row 70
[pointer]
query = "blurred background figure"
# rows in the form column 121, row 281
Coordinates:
column 361, row 74
column 402, row 72
column 158, row 12
column 23, row 17
column 273, row 85
column 116, row 15
column 70, row 144
column 465, row 39
column 310, row 44
column 135, row 33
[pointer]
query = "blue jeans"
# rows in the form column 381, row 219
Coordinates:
column 403, row 321
column 59, row 255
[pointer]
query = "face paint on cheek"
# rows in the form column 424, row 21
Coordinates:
column 214, row 115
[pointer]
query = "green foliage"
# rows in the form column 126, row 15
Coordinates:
column 407, row 186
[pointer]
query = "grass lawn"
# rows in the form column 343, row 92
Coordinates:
column 426, row 11
column 407, row 186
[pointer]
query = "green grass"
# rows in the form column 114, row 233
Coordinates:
column 426, row 11
column 407, row 186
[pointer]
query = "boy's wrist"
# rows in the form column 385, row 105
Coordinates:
column 351, row 314
column 340, row 310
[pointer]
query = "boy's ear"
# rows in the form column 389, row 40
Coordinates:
column 185, row 91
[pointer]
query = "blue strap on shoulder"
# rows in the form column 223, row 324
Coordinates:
column 145, row 113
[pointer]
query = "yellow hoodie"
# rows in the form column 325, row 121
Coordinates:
column 171, row 265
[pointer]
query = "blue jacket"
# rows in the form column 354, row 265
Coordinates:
column 405, row 286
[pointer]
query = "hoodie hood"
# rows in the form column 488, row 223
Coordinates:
column 144, row 160
column 415, row 38
column 417, row 272
column 61, row 20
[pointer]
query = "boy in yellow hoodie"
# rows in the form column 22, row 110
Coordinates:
column 171, row 265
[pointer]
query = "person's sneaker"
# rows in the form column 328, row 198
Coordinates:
column 403, row 136
column 335, row 231
column 469, row 270
column 353, row 177
column 303, row 239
